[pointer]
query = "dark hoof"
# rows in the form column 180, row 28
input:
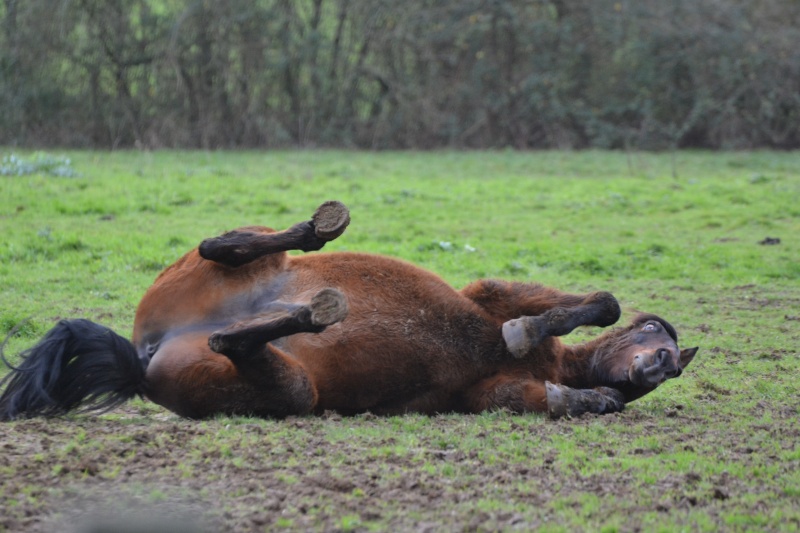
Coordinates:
column 217, row 342
column 610, row 311
column 330, row 220
column 522, row 335
column 557, row 405
column 328, row 306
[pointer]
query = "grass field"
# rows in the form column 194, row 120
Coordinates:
column 675, row 234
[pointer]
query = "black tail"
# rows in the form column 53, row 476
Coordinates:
column 78, row 365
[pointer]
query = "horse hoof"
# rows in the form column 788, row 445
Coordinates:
column 610, row 310
column 328, row 306
column 522, row 335
column 557, row 404
column 216, row 341
column 330, row 220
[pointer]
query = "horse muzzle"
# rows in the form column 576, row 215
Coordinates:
column 654, row 368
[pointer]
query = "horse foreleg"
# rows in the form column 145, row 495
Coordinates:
column 523, row 394
column 506, row 300
column 240, row 340
column 566, row 401
column 240, row 247
column 525, row 333
column 519, row 394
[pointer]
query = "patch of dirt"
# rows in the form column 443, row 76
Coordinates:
column 335, row 473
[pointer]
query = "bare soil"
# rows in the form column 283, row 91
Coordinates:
column 147, row 470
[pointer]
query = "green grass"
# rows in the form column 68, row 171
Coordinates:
column 715, row 449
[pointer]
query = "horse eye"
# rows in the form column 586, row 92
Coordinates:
column 650, row 326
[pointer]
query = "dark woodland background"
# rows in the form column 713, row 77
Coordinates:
column 640, row 74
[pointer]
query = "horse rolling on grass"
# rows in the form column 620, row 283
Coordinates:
column 238, row 327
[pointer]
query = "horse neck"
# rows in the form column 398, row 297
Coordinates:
column 579, row 368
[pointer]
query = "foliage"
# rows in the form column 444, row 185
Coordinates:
column 713, row 450
column 413, row 74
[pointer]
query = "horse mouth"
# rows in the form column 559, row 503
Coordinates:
column 647, row 376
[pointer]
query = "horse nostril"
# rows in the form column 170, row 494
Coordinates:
column 663, row 360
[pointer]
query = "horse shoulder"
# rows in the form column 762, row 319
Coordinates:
column 545, row 363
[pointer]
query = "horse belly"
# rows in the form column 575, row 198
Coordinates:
column 400, row 366
column 409, row 343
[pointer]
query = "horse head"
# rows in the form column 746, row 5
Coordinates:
column 640, row 357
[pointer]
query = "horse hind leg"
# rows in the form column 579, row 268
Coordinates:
column 240, row 340
column 193, row 382
column 239, row 247
column 270, row 382
column 525, row 333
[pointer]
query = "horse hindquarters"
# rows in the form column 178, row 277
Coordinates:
column 186, row 377
column 236, row 371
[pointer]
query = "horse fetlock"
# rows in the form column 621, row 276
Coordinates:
column 227, row 344
column 228, row 249
column 328, row 306
column 330, row 220
column 559, row 321
column 565, row 401
column 523, row 334
column 217, row 342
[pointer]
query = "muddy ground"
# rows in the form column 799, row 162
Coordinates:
column 142, row 467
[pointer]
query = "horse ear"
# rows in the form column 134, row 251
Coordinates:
column 687, row 354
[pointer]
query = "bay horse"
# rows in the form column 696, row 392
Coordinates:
column 238, row 327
